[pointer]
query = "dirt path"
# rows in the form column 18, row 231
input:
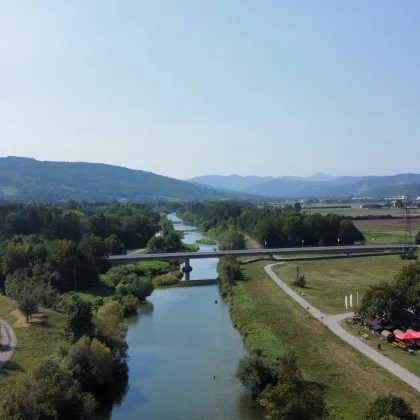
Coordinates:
column 254, row 243
column 333, row 323
column 8, row 342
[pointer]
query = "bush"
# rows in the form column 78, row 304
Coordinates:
column 229, row 270
column 166, row 280
column 129, row 302
column 255, row 372
column 408, row 255
column 140, row 287
column 389, row 407
column 300, row 281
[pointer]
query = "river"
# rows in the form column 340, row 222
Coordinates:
column 177, row 349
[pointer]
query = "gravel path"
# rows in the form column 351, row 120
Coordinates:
column 254, row 243
column 8, row 342
column 333, row 323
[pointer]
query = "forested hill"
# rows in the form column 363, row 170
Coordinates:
column 24, row 179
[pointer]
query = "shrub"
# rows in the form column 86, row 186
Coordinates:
column 300, row 281
column 129, row 302
column 166, row 280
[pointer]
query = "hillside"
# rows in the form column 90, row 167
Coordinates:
column 318, row 185
column 24, row 179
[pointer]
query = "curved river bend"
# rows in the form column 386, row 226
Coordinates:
column 177, row 350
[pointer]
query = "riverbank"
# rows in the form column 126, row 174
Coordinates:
column 268, row 319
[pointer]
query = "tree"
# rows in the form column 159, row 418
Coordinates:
column 115, row 246
column 132, row 284
column 384, row 301
column 255, row 372
column 48, row 392
column 27, row 304
column 292, row 397
column 297, row 207
column 233, row 240
column 389, row 407
column 417, row 239
column 79, row 319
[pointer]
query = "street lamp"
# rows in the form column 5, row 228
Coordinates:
column 265, row 243
column 338, row 241
column 303, row 242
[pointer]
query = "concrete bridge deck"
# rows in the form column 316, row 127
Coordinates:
column 351, row 249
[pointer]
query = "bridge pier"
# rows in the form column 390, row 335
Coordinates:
column 187, row 267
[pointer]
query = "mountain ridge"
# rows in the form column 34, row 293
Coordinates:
column 322, row 185
column 28, row 179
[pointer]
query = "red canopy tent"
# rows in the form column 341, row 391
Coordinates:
column 416, row 335
column 407, row 336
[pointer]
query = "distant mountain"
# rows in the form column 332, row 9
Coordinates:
column 241, row 183
column 318, row 185
column 341, row 186
column 230, row 182
column 24, row 179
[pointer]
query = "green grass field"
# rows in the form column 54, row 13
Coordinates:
column 328, row 281
column 269, row 319
column 33, row 341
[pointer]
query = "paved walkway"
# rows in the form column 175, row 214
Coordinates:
column 333, row 323
column 8, row 342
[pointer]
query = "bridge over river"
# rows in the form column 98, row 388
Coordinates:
column 187, row 256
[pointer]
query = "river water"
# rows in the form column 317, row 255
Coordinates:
column 177, row 349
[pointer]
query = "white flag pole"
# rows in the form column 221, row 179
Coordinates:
column 345, row 302
column 351, row 300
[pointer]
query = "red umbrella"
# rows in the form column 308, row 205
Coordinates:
column 416, row 335
column 406, row 336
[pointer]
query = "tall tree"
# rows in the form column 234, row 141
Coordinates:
column 79, row 319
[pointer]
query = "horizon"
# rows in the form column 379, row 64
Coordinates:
column 189, row 88
column 214, row 174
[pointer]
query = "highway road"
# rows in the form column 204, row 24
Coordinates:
column 123, row 259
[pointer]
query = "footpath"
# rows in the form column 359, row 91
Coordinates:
column 8, row 342
column 333, row 323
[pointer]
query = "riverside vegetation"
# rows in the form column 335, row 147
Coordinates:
column 54, row 258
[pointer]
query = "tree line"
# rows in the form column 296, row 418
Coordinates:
column 272, row 227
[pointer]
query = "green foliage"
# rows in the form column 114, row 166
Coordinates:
column 48, row 392
column 397, row 301
column 166, row 280
column 115, row 245
column 291, row 397
column 130, row 304
column 140, row 287
column 389, row 407
column 255, row 372
column 276, row 227
column 300, row 281
column 229, row 270
column 417, row 238
column 232, row 239
column 297, row 207
column 206, row 241
column 79, row 319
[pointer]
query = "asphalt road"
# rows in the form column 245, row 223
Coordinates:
column 8, row 342
column 255, row 252
column 333, row 323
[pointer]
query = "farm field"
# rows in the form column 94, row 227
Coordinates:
column 328, row 281
column 272, row 321
column 386, row 231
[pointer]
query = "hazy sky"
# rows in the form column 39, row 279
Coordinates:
column 194, row 87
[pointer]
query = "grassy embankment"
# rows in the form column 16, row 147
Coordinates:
column 189, row 247
column 37, row 339
column 269, row 319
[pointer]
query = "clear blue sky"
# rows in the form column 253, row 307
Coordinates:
column 190, row 87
